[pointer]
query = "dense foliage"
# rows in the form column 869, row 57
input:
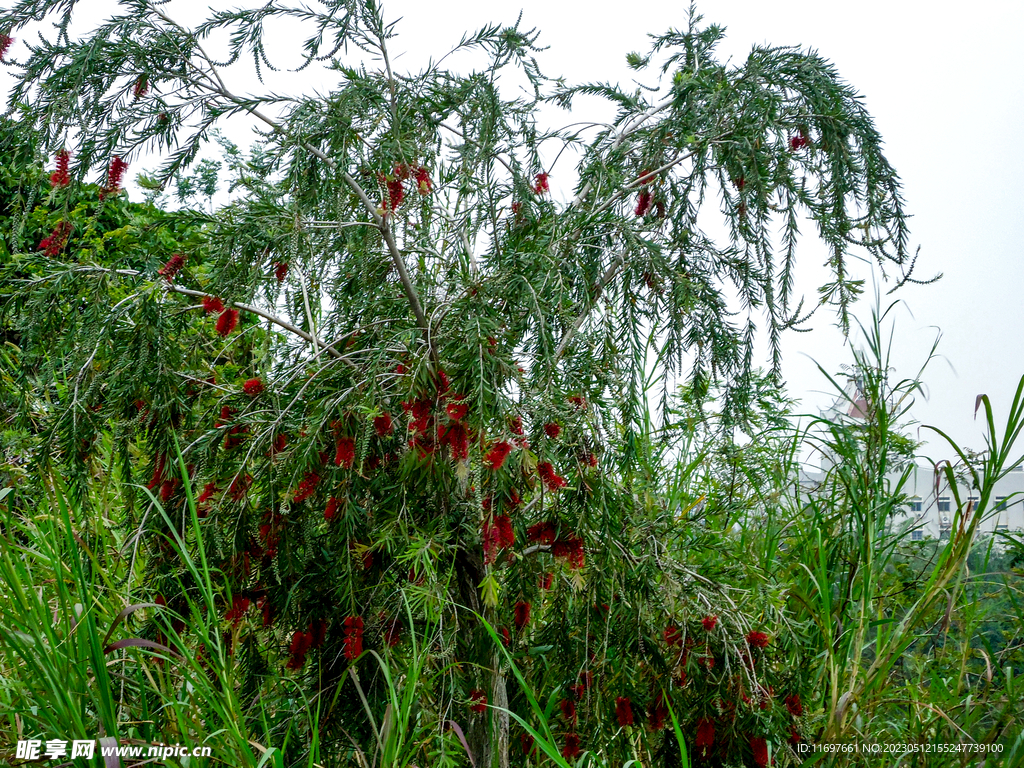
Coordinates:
column 395, row 395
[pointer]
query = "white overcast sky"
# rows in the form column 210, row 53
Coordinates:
column 945, row 85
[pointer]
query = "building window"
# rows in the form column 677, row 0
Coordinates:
column 1003, row 527
column 943, row 503
column 915, row 505
column 917, row 535
column 974, row 502
column 1000, row 503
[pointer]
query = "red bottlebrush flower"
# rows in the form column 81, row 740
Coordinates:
column 172, row 267
column 552, row 481
column 705, row 735
column 423, row 184
column 167, row 488
column 709, row 622
column 141, row 87
column 526, row 740
column 457, row 411
column 478, row 701
column 495, row 457
column 739, row 183
column 301, row 642
column 546, row 579
column 208, row 490
column 571, row 749
column 383, row 425
column 517, row 426
column 794, row 705
column 643, row 203
column 586, row 680
column 5, row 43
column 279, row 444
column 513, row 498
column 570, row 548
column 624, row 711
column 658, row 713
column 552, row 430
column 799, row 141
column 540, row 184
column 760, row 749
column 506, row 537
column 542, row 533
column 456, row 438
column 331, row 511
column 253, row 387
column 396, row 194
column 490, row 537
column 114, row 176
column 239, row 605
column 672, row 635
column 506, row 637
column 521, row 612
column 227, row 321
column 486, row 504
column 794, row 736
column 345, row 454
column 393, row 633
column 578, row 401
column 402, row 171
column 590, row 459
column 708, row 662
column 212, row 304
column 239, row 487
column 318, row 632
column 758, row 639
column 281, row 271
column 568, row 707
column 54, row 244
column 61, row 177
column 353, row 637
column 307, row 486
column 443, row 385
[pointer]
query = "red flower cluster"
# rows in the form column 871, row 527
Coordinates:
column 423, row 184
column 571, row 548
column 496, row 534
column 253, row 387
column 568, row 707
column 571, row 750
column 672, row 635
column 456, row 438
column 643, row 203
column 307, row 486
column 495, row 457
column 353, row 637
column 540, row 184
column 172, row 267
column 578, row 401
column 758, row 639
column 212, row 304
column 300, row 645
column 590, row 459
column 141, row 87
column 478, row 701
column 552, row 481
column 799, row 141
column 114, row 176
column 516, row 426
column 542, row 533
column 709, row 622
column 5, row 43
column 527, row 743
column 383, row 425
column 546, row 580
column 331, row 511
column 167, row 489
column 396, row 194
column 279, row 444
column 54, row 244
column 345, row 452
column 61, row 177
column 457, row 410
column 208, row 490
column 521, row 613
column 227, row 322
column 760, row 749
column 705, row 735
column 239, row 487
column 794, row 705
column 239, row 605
column 739, row 183
column 393, row 633
column 658, row 713
column 281, row 271
column 624, row 711
column 552, row 430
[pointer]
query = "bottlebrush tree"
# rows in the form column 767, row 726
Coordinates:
column 410, row 383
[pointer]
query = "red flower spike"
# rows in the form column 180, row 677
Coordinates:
column 794, row 736
column 546, row 579
column 705, row 735
column 568, row 708
column 457, row 411
column 571, row 750
column 396, row 194
column 506, row 537
column 423, row 184
column 331, row 511
column 542, row 533
column 54, row 244
column 172, row 267
column 658, row 713
column 141, row 87
column 227, row 322
column 540, row 184
column 5, row 43
column 552, row 430
column 478, row 701
column 114, row 176
column 527, row 742
column 760, row 749
column 517, row 426
column 253, row 387
column 281, row 271
column 307, row 486
column 643, row 203
column 794, row 705
column 212, row 304
column 709, row 622
column 345, row 454
column 353, row 637
column 506, row 637
column 393, row 633
column 624, row 711
column 552, row 481
column 758, row 639
column 239, row 606
column 208, row 490
column 239, row 487
column 167, row 489
column 739, row 183
column 61, row 177
column 521, row 613
column 383, row 425
column 672, row 635
column 586, row 680
column 495, row 457
column 280, row 442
